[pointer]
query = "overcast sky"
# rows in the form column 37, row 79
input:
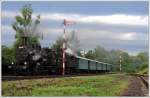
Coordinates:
column 112, row 25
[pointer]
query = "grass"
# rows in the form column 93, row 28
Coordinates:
column 101, row 85
column 143, row 71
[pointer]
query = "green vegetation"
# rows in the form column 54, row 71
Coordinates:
column 101, row 85
column 8, row 54
column 130, row 64
column 24, row 25
column 143, row 69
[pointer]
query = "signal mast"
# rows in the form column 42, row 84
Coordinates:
column 65, row 23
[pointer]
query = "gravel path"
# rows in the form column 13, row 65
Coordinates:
column 135, row 88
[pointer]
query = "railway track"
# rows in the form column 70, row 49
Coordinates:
column 145, row 81
column 14, row 78
column 143, row 78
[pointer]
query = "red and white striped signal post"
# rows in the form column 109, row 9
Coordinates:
column 65, row 23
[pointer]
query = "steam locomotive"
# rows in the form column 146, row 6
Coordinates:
column 31, row 59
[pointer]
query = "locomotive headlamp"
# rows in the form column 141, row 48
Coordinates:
column 25, row 63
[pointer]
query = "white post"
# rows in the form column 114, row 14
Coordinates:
column 120, row 62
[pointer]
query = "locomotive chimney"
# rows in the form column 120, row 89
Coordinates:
column 25, row 39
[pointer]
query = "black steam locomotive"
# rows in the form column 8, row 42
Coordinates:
column 31, row 59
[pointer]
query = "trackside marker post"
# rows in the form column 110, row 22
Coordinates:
column 120, row 63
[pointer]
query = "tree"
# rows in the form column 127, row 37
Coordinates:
column 24, row 25
column 143, row 56
column 113, row 57
column 8, row 55
column 100, row 54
